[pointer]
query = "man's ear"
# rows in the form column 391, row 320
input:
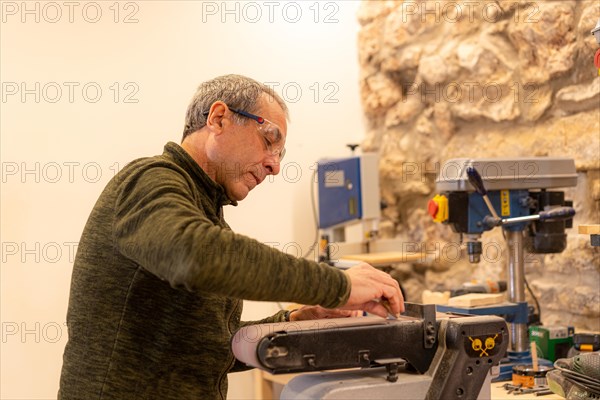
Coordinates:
column 215, row 119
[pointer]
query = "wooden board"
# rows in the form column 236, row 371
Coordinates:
column 593, row 229
column 476, row 299
column 389, row 257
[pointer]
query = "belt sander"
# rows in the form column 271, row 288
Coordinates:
column 421, row 355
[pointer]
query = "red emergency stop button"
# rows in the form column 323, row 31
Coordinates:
column 438, row 208
column 432, row 208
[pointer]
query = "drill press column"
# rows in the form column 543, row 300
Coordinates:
column 516, row 287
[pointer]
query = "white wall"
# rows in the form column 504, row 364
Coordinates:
column 61, row 140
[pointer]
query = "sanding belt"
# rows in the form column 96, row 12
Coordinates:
column 245, row 342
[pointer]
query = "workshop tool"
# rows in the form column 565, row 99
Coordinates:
column 476, row 181
column 552, row 342
column 349, row 210
column 348, row 194
column 519, row 389
column 384, row 302
column 584, row 342
column 530, row 215
column 529, row 376
column 577, row 377
column 479, row 287
column 421, row 355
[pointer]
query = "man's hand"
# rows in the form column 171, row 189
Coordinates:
column 369, row 285
column 318, row 312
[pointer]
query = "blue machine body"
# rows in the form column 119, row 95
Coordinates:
column 512, row 312
column 507, row 203
column 340, row 189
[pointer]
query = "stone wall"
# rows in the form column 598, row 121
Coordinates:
column 447, row 79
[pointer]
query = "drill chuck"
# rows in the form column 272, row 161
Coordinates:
column 474, row 252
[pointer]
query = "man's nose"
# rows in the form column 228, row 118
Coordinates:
column 272, row 164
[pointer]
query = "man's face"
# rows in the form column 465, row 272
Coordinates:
column 244, row 156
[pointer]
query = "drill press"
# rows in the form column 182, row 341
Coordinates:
column 477, row 195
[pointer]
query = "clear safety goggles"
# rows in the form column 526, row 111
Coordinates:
column 269, row 132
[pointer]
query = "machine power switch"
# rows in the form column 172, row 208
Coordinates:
column 438, row 208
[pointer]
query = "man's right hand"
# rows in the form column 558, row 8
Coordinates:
column 369, row 285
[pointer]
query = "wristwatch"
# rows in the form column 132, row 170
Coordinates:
column 286, row 315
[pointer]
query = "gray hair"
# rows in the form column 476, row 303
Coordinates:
column 236, row 91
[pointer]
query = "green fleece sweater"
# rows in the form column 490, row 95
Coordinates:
column 157, row 282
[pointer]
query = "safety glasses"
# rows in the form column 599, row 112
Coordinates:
column 269, row 132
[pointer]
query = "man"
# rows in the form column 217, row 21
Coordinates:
column 159, row 276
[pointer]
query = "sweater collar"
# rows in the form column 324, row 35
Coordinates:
column 204, row 182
